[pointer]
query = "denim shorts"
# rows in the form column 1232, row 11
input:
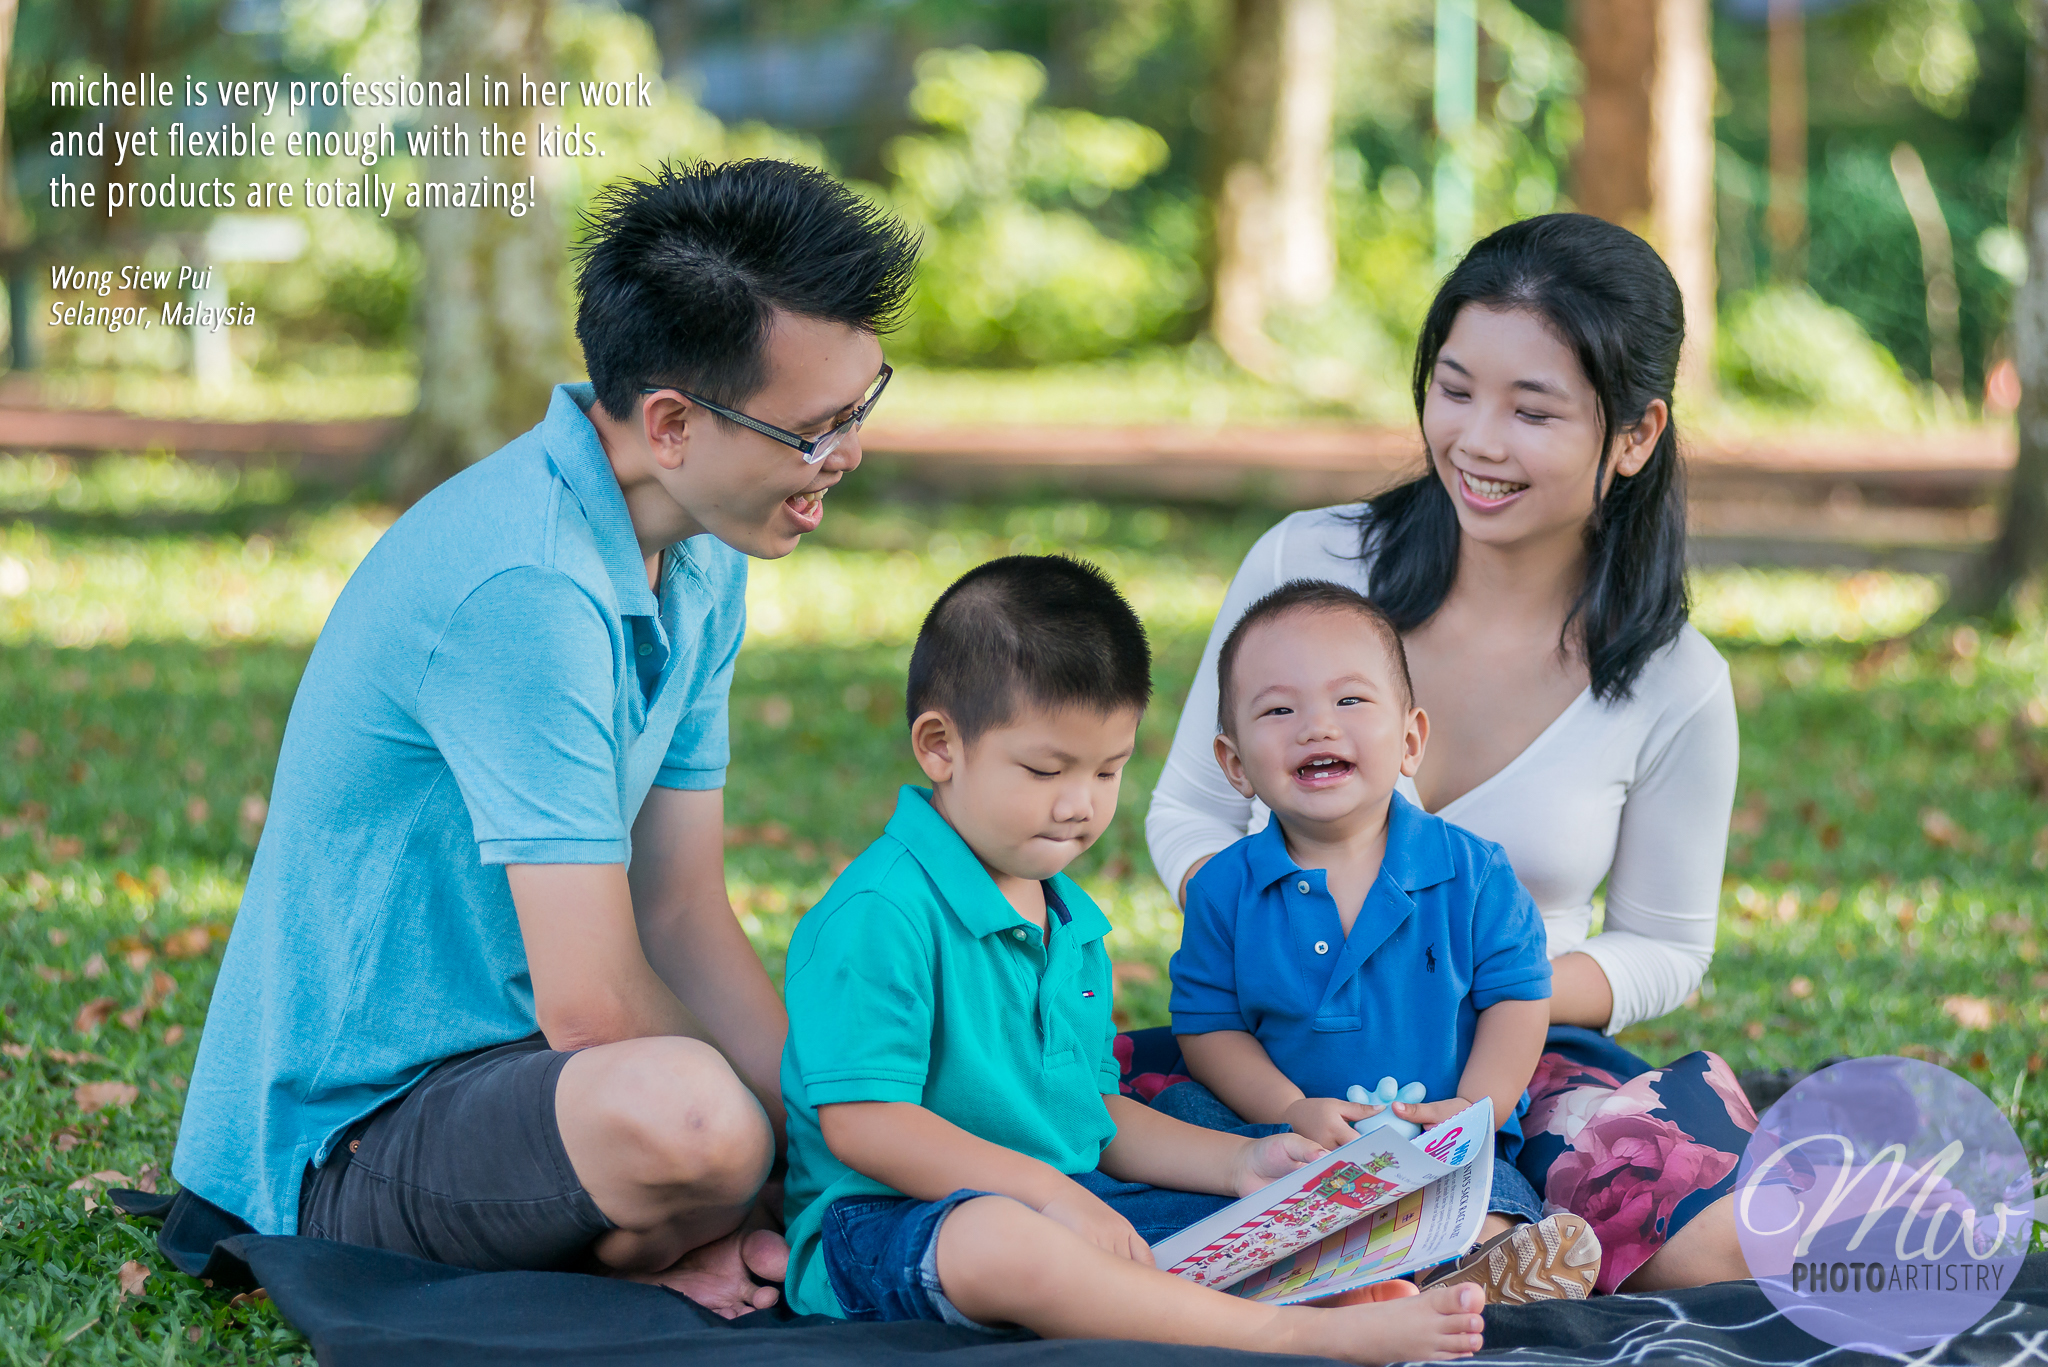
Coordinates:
column 1197, row 1105
column 882, row 1252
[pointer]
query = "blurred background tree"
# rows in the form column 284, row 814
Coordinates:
column 1192, row 186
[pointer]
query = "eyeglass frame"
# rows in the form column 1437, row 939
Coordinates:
column 814, row 450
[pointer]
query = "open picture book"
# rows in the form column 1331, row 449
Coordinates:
column 1378, row 1208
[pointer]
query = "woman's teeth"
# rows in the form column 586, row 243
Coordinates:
column 1490, row 488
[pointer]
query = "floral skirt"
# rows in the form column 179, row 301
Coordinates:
column 1636, row 1151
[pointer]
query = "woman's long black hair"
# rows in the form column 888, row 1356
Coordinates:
column 1609, row 297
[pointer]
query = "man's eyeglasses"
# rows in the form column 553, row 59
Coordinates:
column 812, row 449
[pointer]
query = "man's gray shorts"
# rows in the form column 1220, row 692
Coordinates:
column 466, row 1168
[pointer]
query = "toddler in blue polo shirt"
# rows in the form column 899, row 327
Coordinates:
column 958, row 1150
column 1356, row 936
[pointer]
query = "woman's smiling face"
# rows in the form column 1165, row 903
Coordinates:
column 1516, row 429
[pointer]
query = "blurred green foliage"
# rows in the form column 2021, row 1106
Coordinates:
column 1784, row 346
column 1016, row 267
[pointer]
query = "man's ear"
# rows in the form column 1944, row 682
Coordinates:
column 936, row 743
column 1233, row 765
column 665, row 419
column 1415, row 741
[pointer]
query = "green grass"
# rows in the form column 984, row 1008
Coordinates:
column 1886, row 888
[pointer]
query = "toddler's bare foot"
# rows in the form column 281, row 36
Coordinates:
column 1443, row 1322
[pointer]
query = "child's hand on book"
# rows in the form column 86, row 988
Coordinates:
column 1428, row 1113
column 1326, row 1119
column 1090, row 1217
column 1262, row 1160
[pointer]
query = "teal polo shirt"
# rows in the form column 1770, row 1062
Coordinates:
column 915, row 980
column 496, row 685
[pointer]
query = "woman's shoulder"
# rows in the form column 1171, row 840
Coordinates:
column 1680, row 678
column 1315, row 543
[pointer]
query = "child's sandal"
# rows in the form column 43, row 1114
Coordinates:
column 1557, row 1258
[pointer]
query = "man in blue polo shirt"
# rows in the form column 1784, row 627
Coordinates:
column 486, row 1001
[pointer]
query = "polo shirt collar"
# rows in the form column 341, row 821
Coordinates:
column 1418, row 850
column 573, row 448
column 965, row 885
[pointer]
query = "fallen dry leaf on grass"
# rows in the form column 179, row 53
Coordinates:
column 64, row 848
column 96, row 1096
column 66, row 1139
column 139, row 957
column 131, row 1019
column 14, row 1050
column 95, row 967
column 68, row 1056
column 189, row 943
column 104, row 1177
column 1941, row 829
column 59, row 938
column 174, row 1036
column 248, row 1298
column 1972, row 1013
column 53, row 975
column 133, row 1275
column 145, row 1178
column 93, row 1015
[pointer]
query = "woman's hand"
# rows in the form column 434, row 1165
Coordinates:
column 1262, row 1160
column 1089, row 1216
column 1327, row 1120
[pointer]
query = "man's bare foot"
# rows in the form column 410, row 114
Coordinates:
column 726, row 1276
column 1443, row 1322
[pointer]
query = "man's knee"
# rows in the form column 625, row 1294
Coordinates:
column 676, row 1115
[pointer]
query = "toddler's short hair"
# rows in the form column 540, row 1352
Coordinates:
column 1306, row 595
column 1045, row 630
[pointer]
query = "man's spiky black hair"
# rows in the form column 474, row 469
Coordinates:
column 679, row 276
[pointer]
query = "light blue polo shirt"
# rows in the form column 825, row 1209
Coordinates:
column 916, row 980
column 1446, row 931
column 496, row 685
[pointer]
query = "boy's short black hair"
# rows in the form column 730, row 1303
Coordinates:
column 680, row 275
column 1042, row 630
column 1306, row 595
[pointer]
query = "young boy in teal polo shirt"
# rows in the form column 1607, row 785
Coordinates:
column 958, row 1149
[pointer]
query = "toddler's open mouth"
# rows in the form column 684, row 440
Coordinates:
column 1323, row 770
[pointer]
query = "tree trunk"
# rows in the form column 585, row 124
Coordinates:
column 1276, row 95
column 1617, row 47
column 1682, row 174
column 2021, row 551
column 491, row 334
column 1785, row 217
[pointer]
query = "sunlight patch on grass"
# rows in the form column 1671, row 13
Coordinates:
column 77, row 591
column 127, row 485
column 1772, row 606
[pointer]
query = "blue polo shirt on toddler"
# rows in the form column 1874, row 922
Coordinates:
column 1446, row 931
column 916, row 980
column 498, row 684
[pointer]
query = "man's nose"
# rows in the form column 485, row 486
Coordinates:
column 846, row 455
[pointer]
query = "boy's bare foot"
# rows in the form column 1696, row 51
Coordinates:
column 1397, row 1326
column 727, row 1276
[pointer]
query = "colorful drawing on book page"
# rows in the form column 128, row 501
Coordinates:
column 1383, row 1240
column 1327, row 1201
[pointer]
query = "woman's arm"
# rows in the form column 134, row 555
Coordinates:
column 1195, row 812
column 1664, row 889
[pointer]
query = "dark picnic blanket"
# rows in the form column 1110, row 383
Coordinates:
column 362, row 1307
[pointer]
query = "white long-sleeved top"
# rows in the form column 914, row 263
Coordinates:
column 1635, row 792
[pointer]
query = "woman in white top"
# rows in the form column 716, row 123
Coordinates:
column 1537, row 574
